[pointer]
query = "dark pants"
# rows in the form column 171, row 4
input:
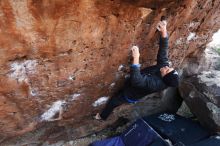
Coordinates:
column 115, row 101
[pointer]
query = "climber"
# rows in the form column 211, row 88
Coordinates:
column 143, row 82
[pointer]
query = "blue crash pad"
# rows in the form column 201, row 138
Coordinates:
column 115, row 141
column 141, row 134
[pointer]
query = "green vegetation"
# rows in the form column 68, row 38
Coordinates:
column 218, row 50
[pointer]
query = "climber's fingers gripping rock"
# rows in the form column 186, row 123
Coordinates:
column 135, row 52
column 162, row 27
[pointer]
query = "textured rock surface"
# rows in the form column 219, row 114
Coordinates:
column 59, row 57
column 200, row 89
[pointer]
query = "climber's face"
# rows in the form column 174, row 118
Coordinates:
column 165, row 70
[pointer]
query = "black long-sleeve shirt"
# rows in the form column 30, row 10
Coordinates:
column 148, row 80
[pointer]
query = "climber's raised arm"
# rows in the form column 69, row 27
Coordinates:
column 162, row 55
column 136, row 78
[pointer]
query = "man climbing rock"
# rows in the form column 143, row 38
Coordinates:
column 149, row 80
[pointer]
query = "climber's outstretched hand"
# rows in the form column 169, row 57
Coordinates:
column 162, row 27
column 135, row 54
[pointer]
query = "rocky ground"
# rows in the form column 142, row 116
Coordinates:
column 31, row 139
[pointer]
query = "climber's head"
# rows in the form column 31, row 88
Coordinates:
column 170, row 76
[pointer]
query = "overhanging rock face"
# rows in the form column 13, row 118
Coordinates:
column 60, row 60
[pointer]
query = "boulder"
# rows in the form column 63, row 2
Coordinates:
column 201, row 91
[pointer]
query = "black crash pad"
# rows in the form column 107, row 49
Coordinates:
column 212, row 141
column 176, row 128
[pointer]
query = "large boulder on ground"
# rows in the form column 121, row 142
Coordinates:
column 201, row 89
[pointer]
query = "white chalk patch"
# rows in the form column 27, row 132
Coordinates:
column 179, row 41
column 75, row 96
column 191, row 36
column 19, row 71
column 33, row 92
column 53, row 110
column 121, row 67
column 100, row 101
column 210, row 78
column 71, row 78
column 193, row 24
column 112, row 85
